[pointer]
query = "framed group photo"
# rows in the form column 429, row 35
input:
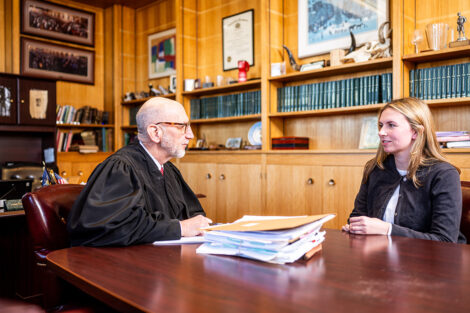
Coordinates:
column 45, row 19
column 162, row 53
column 324, row 25
column 47, row 60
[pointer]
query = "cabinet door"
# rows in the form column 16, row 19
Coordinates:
column 37, row 105
column 293, row 190
column 201, row 178
column 340, row 187
column 8, row 101
column 238, row 191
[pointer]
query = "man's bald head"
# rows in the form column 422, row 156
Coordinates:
column 156, row 110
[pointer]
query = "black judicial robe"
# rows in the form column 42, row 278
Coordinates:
column 128, row 201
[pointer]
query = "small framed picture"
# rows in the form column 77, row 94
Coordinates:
column 162, row 53
column 173, row 83
column 200, row 143
column 234, row 143
column 369, row 133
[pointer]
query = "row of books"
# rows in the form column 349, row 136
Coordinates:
column 238, row 104
column 453, row 139
column 335, row 94
column 76, row 140
column 441, row 82
column 67, row 114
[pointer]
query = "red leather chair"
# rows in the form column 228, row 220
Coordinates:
column 46, row 212
column 465, row 222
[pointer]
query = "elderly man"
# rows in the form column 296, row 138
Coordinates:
column 136, row 195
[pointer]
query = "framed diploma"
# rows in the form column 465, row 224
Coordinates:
column 238, row 39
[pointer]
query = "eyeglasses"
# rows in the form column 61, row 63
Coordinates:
column 183, row 126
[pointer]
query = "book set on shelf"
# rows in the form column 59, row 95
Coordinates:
column 95, row 140
column 237, row 104
column 335, row 94
column 67, row 114
column 441, row 82
column 453, row 139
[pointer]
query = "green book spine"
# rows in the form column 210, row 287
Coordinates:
column 412, row 83
column 468, row 79
column 438, row 83
column 458, row 82
column 433, row 82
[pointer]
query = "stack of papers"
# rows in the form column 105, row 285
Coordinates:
column 274, row 239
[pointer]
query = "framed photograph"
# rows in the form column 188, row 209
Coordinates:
column 47, row 60
column 172, row 83
column 162, row 53
column 324, row 24
column 50, row 20
column 238, row 39
column 233, row 143
column 369, row 133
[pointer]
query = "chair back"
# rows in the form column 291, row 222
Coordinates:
column 47, row 210
column 465, row 222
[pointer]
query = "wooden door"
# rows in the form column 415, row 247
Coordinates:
column 201, row 178
column 340, row 187
column 293, row 190
column 239, row 191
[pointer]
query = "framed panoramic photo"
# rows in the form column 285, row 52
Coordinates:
column 162, row 53
column 324, row 24
column 47, row 60
column 238, row 39
column 55, row 21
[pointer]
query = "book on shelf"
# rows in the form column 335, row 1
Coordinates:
column 68, row 141
column 458, row 144
column 440, row 82
column 335, row 94
column 68, row 114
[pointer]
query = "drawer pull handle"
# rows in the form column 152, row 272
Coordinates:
column 331, row 182
column 208, row 176
column 310, row 181
column 222, row 177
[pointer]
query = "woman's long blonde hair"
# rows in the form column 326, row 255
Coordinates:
column 425, row 149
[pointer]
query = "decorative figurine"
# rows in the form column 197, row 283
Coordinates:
column 292, row 62
column 460, row 29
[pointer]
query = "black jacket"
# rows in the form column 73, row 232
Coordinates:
column 432, row 211
column 128, row 201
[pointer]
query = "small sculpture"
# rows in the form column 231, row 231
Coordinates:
column 373, row 49
column 292, row 62
column 460, row 29
column 153, row 92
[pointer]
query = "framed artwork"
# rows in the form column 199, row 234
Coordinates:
column 47, row 60
column 162, row 53
column 369, row 138
column 55, row 21
column 324, row 24
column 238, row 39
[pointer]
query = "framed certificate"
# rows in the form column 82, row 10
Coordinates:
column 238, row 39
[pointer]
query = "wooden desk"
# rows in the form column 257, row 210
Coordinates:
column 352, row 274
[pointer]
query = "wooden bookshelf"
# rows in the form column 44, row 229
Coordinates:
column 142, row 100
column 250, row 117
column 439, row 55
column 251, row 84
column 448, row 102
column 333, row 111
column 85, row 125
column 348, row 68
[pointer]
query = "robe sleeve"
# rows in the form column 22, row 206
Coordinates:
column 111, row 210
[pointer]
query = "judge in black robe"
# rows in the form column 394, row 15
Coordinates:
column 127, row 199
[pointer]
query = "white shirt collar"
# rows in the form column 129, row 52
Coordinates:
column 154, row 160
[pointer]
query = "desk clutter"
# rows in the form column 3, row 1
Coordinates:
column 272, row 239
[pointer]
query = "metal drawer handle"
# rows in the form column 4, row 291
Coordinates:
column 331, row 182
column 208, row 176
column 310, row 181
column 222, row 177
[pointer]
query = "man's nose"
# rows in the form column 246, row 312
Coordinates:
column 189, row 132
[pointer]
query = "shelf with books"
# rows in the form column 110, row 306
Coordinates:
column 344, row 69
column 249, row 117
column 250, row 84
column 85, row 126
column 439, row 55
column 451, row 102
column 333, row 111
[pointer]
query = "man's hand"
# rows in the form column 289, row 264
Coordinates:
column 192, row 226
column 363, row 225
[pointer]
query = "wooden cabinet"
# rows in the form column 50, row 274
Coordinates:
column 77, row 167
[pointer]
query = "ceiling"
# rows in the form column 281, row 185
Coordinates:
column 107, row 3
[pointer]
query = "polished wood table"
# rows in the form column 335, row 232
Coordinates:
column 351, row 274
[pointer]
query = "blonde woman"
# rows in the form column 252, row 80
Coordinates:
column 409, row 188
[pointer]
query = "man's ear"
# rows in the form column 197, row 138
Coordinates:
column 155, row 133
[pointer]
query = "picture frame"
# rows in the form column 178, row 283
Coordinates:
column 162, row 54
column 54, row 21
column 233, row 143
column 238, row 39
column 369, row 138
column 321, row 35
column 47, row 60
column 172, row 87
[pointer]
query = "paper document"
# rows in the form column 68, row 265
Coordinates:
column 183, row 240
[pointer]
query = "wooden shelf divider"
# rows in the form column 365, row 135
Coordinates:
column 255, row 83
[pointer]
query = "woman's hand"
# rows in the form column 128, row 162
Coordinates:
column 363, row 225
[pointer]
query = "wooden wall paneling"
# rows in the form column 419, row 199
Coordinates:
column 108, row 77
column 128, row 50
column 452, row 118
column 117, row 71
column 2, row 35
column 156, row 17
